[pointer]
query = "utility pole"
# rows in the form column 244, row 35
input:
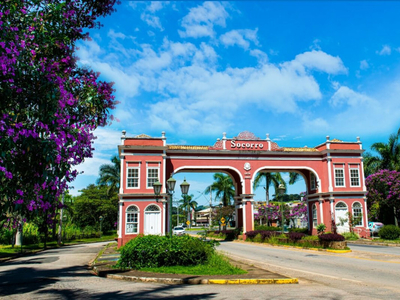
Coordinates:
column 210, row 208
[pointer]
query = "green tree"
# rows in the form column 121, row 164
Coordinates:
column 49, row 105
column 93, row 203
column 223, row 187
column 187, row 203
column 274, row 179
column 388, row 157
column 110, row 175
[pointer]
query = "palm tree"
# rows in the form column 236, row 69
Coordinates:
column 294, row 177
column 371, row 164
column 223, row 187
column 274, row 179
column 188, row 203
column 110, row 175
column 388, row 156
column 389, row 153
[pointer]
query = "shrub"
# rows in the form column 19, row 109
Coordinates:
column 321, row 228
column 252, row 234
column 295, row 236
column 267, row 228
column 154, row 251
column 389, row 232
column 331, row 237
column 6, row 236
column 302, row 230
column 229, row 235
column 350, row 236
column 268, row 234
column 310, row 238
column 258, row 238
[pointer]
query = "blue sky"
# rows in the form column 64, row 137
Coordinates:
column 297, row 70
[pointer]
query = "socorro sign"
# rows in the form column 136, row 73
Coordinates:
column 238, row 145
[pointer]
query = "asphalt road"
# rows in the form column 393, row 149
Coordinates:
column 63, row 274
column 375, row 249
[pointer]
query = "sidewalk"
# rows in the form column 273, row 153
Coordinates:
column 102, row 267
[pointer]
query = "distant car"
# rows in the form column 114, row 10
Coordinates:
column 184, row 225
column 374, row 227
column 178, row 230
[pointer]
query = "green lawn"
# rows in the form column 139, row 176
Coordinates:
column 216, row 265
column 7, row 251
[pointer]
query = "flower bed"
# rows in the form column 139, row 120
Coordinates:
column 332, row 241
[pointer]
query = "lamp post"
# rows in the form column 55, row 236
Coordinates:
column 170, row 189
column 281, row 189
column 185, row 190
column 219, row 221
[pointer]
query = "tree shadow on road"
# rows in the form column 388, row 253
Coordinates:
column 41, row 282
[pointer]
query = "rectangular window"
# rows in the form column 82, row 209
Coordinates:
column 132, row 222
column 354, row 177
column 132, row 178
column 152, row 177
column 314, row 216
column 357, row 214
column 312, row 181
column 339, row 177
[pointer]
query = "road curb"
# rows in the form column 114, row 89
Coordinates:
column 176, row 281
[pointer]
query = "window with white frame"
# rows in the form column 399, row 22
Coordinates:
column 313, row 186
column 339, row 177
column 132, row 219
column 354, row 177
column 152, row 177
column 132, row 178
column 314, row 216
column 357, row 214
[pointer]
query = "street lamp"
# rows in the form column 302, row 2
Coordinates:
column 281, row 190
column 185, row 190
column 170, row 189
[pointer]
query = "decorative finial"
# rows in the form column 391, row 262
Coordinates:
column 358, row 139
column 267, row 136
column 327, row 138
column 123, row 133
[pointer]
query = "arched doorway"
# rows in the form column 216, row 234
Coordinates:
column 341, row 217
column 152, row 220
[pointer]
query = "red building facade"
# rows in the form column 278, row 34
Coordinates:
column 332, row 171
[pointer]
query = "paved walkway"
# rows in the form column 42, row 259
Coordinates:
column 102, row 266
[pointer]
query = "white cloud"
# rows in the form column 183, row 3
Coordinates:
column 346, row 96
column 361, row 114
column 317, row 60
column 152, row 20
column 105, row 147
column 240, row 38
column 261, row 56
column 386, row 50
column 201, row 20
column 364, row 65
column 315, row 125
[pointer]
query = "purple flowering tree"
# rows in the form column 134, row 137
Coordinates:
column 49, row 105
column 383, row 194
